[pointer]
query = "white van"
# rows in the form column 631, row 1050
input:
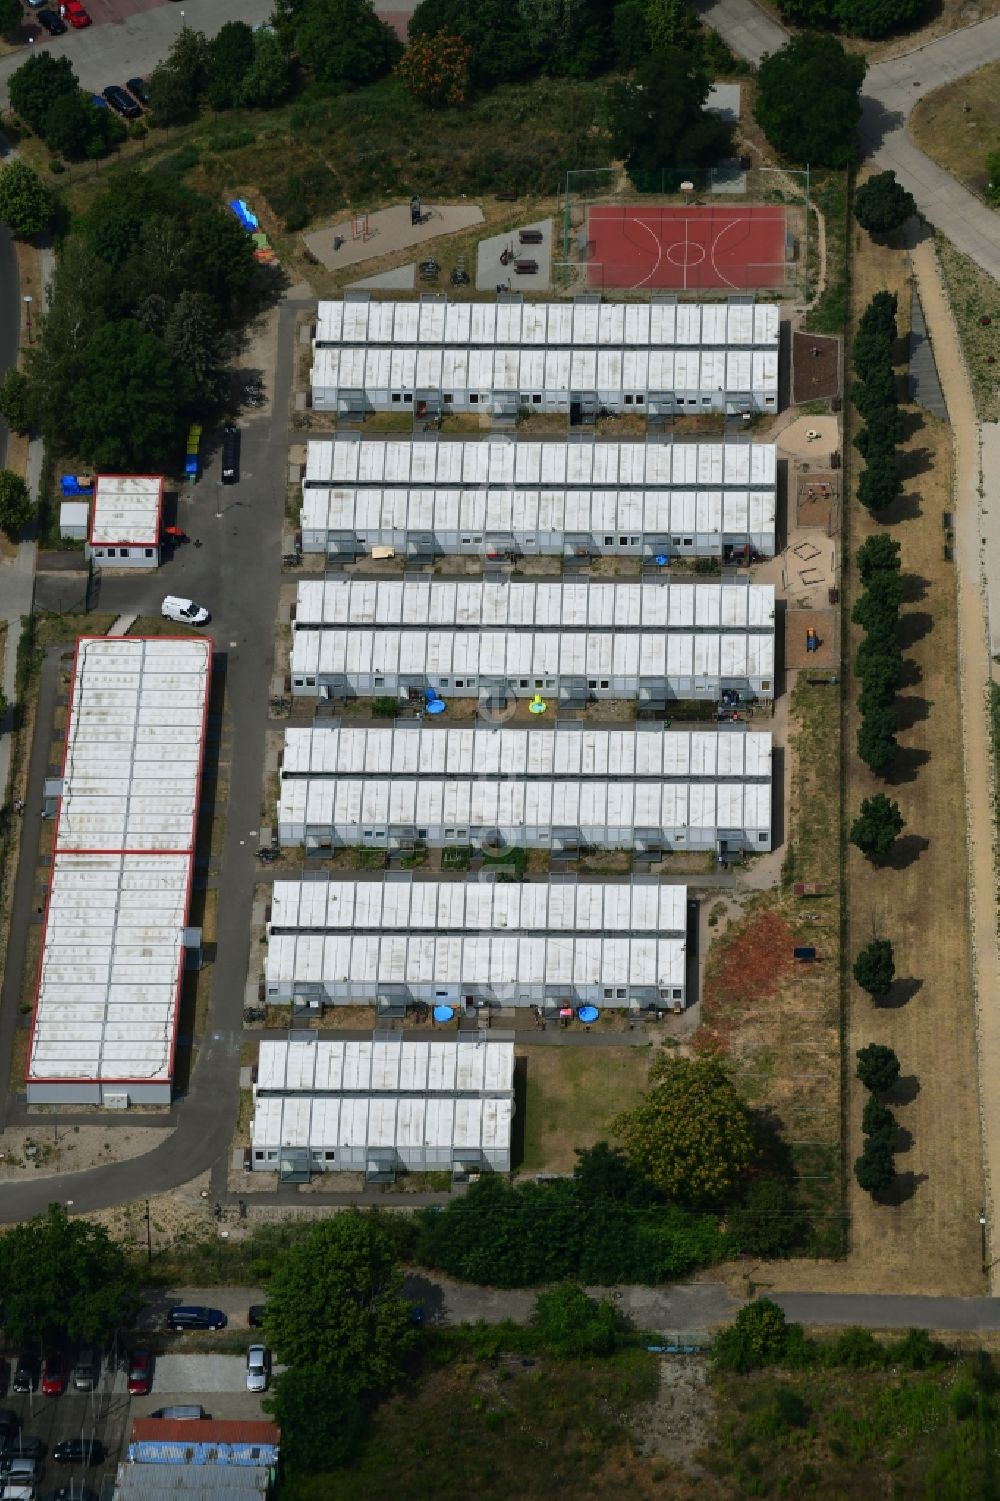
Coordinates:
column 184, row 611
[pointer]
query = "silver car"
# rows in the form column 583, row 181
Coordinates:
column 258, row 1368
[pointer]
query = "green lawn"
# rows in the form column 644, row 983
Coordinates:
column 572, row 1095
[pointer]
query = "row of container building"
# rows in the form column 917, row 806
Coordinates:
column 654, row 500
column 116, row 938
column 653, row 641
column 419, row 1104
column 431, row 356
column 474, row 943
column 567, row 788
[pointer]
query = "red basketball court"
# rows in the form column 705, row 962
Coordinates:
column 686, row 247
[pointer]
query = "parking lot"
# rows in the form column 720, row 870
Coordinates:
column 102, row 1414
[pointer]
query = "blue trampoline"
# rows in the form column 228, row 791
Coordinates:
column 435, row 705
column 443, row 1013
column 588, row 1014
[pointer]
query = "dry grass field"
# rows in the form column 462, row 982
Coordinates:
column 959, row 125
column 974, row 296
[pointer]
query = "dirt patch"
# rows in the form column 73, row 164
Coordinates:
column 815, row 367
column 811, row 438
column 798, row 624
column 680, row 1419
column 40, row 1151
column 747, row 969
column 816, row 497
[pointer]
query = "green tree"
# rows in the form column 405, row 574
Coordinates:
column 630, row 32
column 876, row 740
column 877, row 826
column 672, row 23
column 815, row 14
column 335, row 1303
column 345, row 42
column 193, row 339
column 321, row 1418
column 570, row 1324
column 882, row 204
column 769, row 1220
column 567, row 37
column 78, row 130
column 880, row 675
column 883, row 432
column 494, row 29
column 756, row 1338
column 268, row 80
column 37, row 84
column 177, row 85
column 230, row 57
column 875, row 1169
column 878, row 1067
column 65, row 1279
column 875, row 18
column 881, row 314
column 879, row 484
column 812, row 67
column 875, row 968
column 657, row 119
column 11, row 16
column 17, row 401
column 218, row 260
column 16, row 510
column 878, row 606
column 691, row 1134
column 877, row 1119
column 25, row 202
column 127, row 408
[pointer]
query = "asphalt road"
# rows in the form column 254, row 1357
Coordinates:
column 235, row 572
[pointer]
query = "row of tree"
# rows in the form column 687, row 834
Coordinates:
column 873, row 393
column 878, row 665
column 867, row 18
column 878, row 1070
column 46, row 94
column 760, row 1337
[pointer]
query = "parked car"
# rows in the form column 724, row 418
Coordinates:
column 10, row 1424
column 25, row 1444
column 230, row 454
column 55, row 1374
column 20, row 1469
column 185, row 611
column 34, row 4
column 193, row 1316
column 87, row 1371
column 122, row 103
column 74, row 13
column 182, row 1412
column 255, row 1316
column 79, row 1451
column 25, row 1374
column 140, row 1373
column 137, row 88
column 51, row 22
column 258, row 1368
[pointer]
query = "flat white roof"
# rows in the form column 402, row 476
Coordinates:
column 124, row 841
column 569, row 750
column 127, row 509
column 482, row 1065
column 505, row 463
column 555, row 372
column 637, row 656
column 369, row 514
column 584, row 604
column 403, row 1124
column 660, row 323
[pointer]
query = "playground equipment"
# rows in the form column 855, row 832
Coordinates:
column 359, row 228
column 812, row 640
column 537, row 705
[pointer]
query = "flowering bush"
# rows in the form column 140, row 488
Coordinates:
column 436, row 69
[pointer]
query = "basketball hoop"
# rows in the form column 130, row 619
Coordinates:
column 687, row 187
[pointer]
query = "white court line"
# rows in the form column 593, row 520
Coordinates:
column 715, row 245
column 659, row 252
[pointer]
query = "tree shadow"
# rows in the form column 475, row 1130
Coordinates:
column 911, row 709
column 914, row 627
column 900, row 993
column 775, row 1153
column 906, row 508
column 913, row 461
column 902, row 1188
column 914, row 588
column 430, row 1297
column 910, row 759
column 912, row 673
column 911, row 421
column 903, row 1092
column 902, row 1140
column 908, row 847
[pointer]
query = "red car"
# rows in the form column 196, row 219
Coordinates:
column 140, row 1373
column 55, row 1374
column 75, row 14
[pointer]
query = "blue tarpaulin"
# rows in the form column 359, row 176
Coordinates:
column 246, row 217
column 71, row 485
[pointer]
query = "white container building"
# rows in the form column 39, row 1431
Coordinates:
column 565, row 788
column 126, row 520
column 483, row 499
column 655, row 641
column 419, row 1104
column 468, row 943
column 432, row 356
column 116, row 936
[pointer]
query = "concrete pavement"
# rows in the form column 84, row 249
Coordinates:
column 744, row 28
